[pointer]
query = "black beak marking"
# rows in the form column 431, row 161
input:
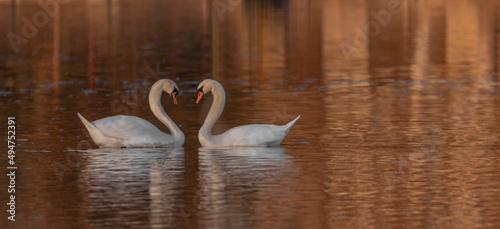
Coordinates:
column 174, row 91
column 200, row 89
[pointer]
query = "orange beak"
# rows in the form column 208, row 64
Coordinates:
column 200, row 95
column 174, row 96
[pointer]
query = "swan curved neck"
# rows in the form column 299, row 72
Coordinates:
column 159, row 112
column 215, row 111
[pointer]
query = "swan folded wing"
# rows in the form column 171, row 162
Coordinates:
column 254, row 135
column 125, row 127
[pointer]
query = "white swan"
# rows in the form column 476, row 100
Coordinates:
column 134, row 132
column 248, row 135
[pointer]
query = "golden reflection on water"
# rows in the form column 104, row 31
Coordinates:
column 400, row 131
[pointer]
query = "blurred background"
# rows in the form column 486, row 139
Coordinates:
column 399, row 102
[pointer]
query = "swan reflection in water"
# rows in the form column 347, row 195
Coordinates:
column 236, row 182
column 113, row 182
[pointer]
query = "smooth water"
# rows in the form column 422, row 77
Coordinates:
column 398, row 132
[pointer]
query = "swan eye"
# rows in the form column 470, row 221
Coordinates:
column 175, row 92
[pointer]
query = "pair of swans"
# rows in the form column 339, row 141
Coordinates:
column 134, row 132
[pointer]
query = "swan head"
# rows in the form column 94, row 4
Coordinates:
column 205, row 86
column 170, row 87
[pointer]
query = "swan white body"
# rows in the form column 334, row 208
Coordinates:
column 134, row 132
column 248, row 135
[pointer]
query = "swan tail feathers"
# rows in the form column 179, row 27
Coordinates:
column 95, row 134
column 290, row 124
column 85, row 122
